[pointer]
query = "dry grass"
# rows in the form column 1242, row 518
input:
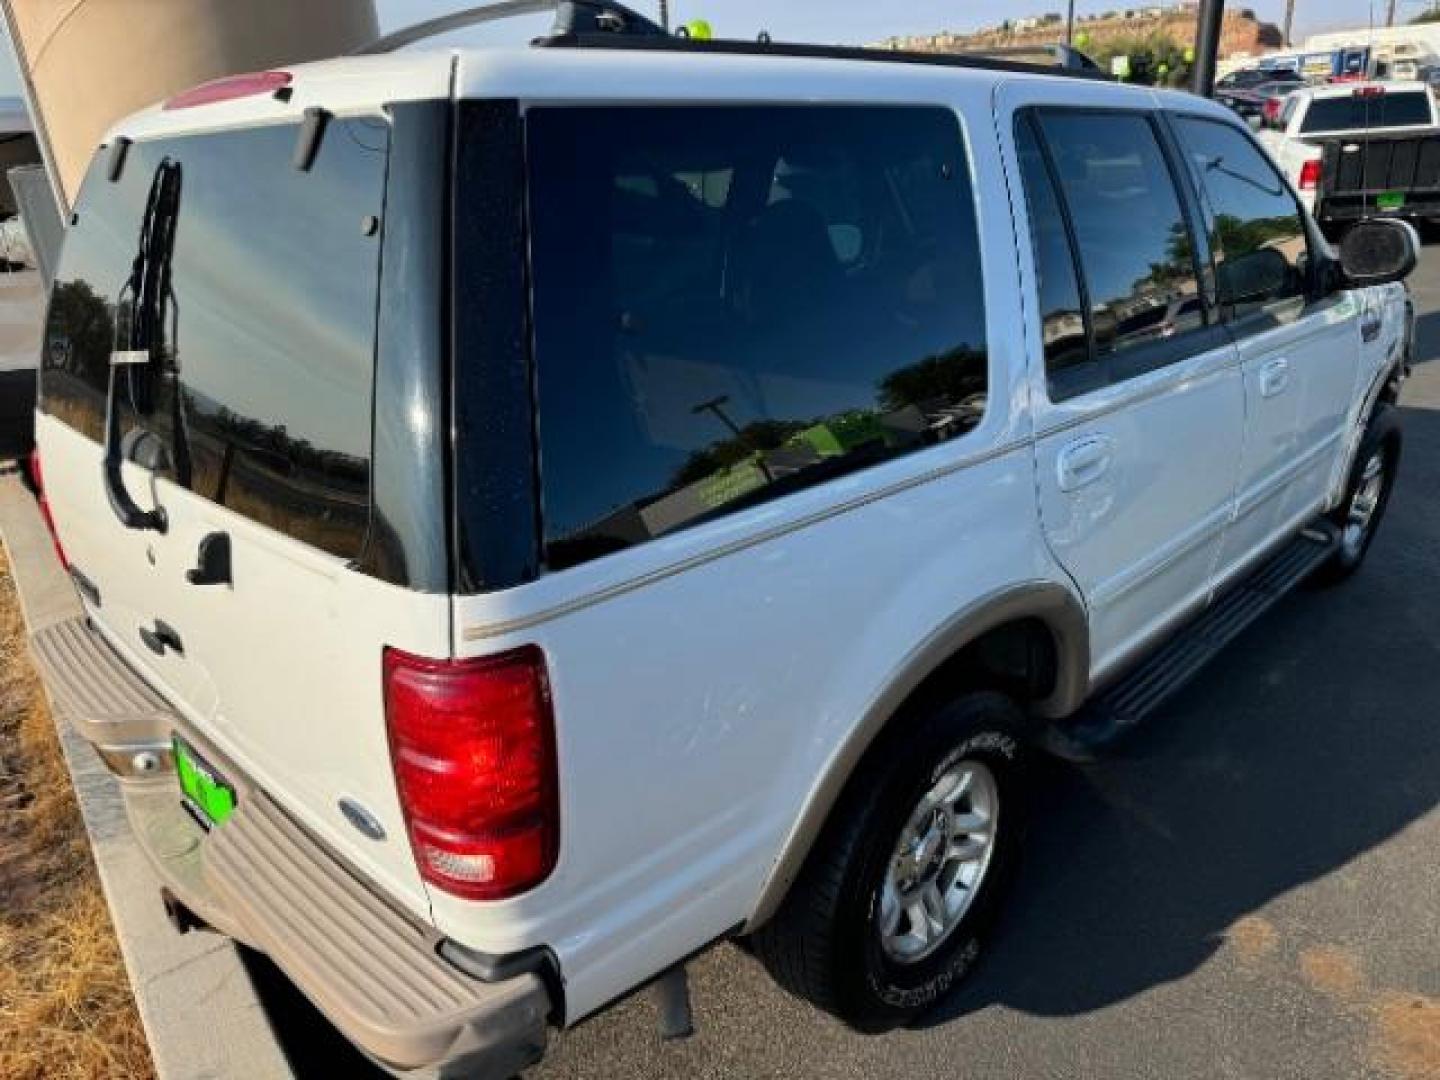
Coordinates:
column 65, row 1003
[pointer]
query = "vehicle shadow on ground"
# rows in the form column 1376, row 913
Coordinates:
column 1310, row 741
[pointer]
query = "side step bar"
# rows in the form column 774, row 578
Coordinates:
column 1140, row 694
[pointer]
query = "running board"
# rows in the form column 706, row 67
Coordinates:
column 1137, row 696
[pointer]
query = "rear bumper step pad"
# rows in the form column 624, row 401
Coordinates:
column 98, row 692
column 377, row 975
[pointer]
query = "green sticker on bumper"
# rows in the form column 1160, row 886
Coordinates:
column 205, row 793
column 1390, row 200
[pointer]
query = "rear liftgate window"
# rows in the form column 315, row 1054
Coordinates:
column 731, row 304
column 258, row 390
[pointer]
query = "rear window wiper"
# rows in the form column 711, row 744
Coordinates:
column 150, row 297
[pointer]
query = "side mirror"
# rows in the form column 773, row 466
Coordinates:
column 1378, row 251
column 1253, row 277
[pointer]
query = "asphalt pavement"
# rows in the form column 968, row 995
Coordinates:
column 1249, row 889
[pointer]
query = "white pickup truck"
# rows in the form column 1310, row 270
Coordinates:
column 1356, row 150
column 542, row 512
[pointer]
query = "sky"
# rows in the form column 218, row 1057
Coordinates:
column 863, row 21
column 854, row 21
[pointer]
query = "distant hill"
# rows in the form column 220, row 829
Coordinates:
column 1242, row 32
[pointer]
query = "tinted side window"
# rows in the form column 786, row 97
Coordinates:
column 1068, row 363
column 259, row 386
column 734, row 303
column 1135, row 246
column 1257, row 234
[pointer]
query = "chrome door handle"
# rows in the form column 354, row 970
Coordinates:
column 1084, row 462
column 1274, row 378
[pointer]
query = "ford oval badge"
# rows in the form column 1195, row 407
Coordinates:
column 362, row 819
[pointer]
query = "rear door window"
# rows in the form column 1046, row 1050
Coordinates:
column 1070, row 369
column 734, row 303
column 260, row 381
column 1135, row 247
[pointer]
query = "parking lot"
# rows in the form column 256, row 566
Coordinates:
column 1249, row 889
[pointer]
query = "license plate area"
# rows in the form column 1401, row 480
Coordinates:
column 209, row 799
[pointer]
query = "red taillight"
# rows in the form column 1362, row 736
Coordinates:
column 229, row 88
column 1310, row 176
column 37, row 477
column 473, row 745
column 1369, row 91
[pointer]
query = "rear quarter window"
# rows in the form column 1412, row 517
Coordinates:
column 731, row 304
column 259, row 385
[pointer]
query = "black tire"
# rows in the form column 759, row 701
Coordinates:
column 825, row 943
column 1382, row 441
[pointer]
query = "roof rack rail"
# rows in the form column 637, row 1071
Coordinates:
column 1060, row 54
column 587, row 18
column 1069, row 62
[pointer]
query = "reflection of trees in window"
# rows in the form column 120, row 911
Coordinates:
column 937, row 382
column 76, row 361
column 1237, row 236
column 932, row 400
column 82, row 331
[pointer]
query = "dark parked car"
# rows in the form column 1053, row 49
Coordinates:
column 1250, row 78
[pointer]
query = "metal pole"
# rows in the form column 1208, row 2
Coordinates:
column 1070, row 24
column 665, row 15
column 1390, row 14
column 1290, row 21
column 1207, row 45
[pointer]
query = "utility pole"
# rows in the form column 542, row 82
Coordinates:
column 1207, row 45
column 1390, row 13
column 1070, row 25
column 665, row 15
column 1290, row 20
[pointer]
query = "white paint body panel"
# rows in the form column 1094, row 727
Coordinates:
column 704, row 682
column 281, row 671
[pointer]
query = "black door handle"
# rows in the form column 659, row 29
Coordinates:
column 161, row 638
column 213, row 566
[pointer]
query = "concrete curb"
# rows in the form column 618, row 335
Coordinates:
column 201, row 1014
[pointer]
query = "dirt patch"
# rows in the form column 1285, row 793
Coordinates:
column 1332, row 971
column 65, row 1005
column 1406, row 1037
column 1252, row 938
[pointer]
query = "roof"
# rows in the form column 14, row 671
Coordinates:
column 1349, row 89
column 358, row 84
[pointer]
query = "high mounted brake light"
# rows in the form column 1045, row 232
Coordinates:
column 251, row 84
column 473, row 747
column 1369, row 91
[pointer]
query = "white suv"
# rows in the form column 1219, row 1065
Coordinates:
column 542, row 512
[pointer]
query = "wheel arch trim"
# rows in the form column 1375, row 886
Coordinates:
column 1053, row 605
